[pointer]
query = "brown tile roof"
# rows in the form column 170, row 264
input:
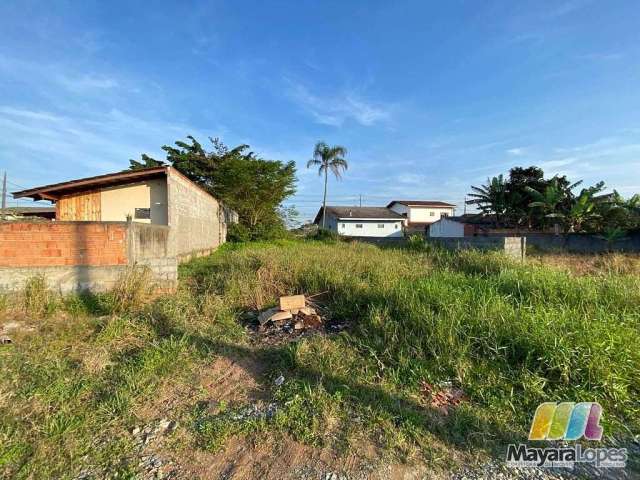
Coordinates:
column 55, row 190
column 421, row 203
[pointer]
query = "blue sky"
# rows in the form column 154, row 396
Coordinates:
column 429, row 97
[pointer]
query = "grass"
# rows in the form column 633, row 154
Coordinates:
column 509, row 335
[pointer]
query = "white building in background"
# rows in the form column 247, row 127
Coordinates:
column 362, row 221
column 418, row 214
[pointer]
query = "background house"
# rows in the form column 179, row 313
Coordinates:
column 362, row 221
column 419, row 214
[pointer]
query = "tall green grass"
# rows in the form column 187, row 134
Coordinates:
column 510, row 335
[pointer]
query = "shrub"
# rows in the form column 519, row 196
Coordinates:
column 325, row 234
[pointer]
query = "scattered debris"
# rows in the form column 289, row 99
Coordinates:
column 279, row 381
column 295, row 316
column 9, row 327
column 144, row 435
column 255, row 412
column 442, row 397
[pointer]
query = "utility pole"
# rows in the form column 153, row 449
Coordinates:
column 360, row 200
column 4, row 191
column 465, row 205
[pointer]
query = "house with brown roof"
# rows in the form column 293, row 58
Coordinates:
column 419, row 214
column 154, row 217
column 157, row 196
column 362, row 221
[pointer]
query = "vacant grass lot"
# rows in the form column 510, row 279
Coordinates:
column 510, row 336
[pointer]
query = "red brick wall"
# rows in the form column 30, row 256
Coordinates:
column 24, row 244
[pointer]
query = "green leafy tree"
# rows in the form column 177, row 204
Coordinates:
column 549, row 200
column 253, row 187
column 582, row 210
column 328, row 159
column 145, row 162
column 491, row 198
column 518, row 198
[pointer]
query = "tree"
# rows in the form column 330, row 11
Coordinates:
column 582, row 210
column 518, row 198
column 328, row 158
column 548, row 200
column 491, row 198
column 147, row 162
column 253, row 187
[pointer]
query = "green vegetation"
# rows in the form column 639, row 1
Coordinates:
column 251, row 186
column 327, row 159
column 527, row 199
column 510, row 336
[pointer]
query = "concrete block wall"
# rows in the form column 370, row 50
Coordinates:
column 196, row 219
column 514, row 247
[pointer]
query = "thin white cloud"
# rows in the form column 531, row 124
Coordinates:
column 516, row 152
column 602, row 56
column 36, row 144
column 337, row 109
column 87, row 82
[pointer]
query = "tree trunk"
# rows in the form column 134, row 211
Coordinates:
column 324, row 200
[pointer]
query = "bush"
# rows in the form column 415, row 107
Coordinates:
column 325, row 234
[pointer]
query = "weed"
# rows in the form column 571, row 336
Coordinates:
column 37, row 298
column 132, row 290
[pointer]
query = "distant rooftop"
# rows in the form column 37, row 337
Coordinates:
column 421, row 203
column 372, row 213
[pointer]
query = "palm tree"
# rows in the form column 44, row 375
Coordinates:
column 491, row 198
column 328, row 158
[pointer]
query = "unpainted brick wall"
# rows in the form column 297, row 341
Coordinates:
column 25, row 244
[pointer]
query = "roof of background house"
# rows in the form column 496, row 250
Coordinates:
column 46, row 212
column 472, row 219
column 56, row 190
column 421, row 203
column 368, row 213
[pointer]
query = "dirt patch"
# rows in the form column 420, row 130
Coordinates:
column 235, row 380
column 230, row 379
column 278, row 457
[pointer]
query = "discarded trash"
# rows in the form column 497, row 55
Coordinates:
column 4, row 340
column 279, row 381
column 443, row 398
column 292, row 302
column 293, row 317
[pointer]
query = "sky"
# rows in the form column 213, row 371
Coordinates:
column 428, row 97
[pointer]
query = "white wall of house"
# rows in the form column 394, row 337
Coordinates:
column 370, row 228
column 446, row 228
column 421, row 214
column 428, row 214
column 119, row 202
column 401, row 209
